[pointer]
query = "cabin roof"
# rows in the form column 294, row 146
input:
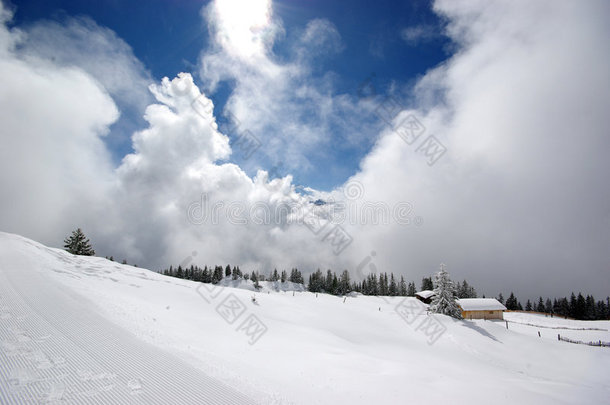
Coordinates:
column 480, row 304
column 425, row 294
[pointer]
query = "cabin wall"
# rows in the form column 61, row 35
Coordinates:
column 483, row 314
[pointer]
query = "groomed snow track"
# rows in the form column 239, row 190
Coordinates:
column 56, row 348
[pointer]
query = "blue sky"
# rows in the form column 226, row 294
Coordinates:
column 168, row 37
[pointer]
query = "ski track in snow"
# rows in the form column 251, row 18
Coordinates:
column 53, row 350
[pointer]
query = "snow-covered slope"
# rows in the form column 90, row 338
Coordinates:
column 76, row 329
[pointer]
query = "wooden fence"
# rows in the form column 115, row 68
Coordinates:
column 599, row 343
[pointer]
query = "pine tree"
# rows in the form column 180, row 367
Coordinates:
column 556, row 307
column 540, row 306
column 316, row 281
column 344, row 283
column 228, row 271
column 590, row 308
column 190, row 273
column 393, row 289
column 511, row 302
column 444, row 295
column 572, row 306
column 372, row 285
column 462, row 289
column 427, row 284
column 293, row 275
column 501, row 299
column 601, row 310
column 78, row 244
column 197, row 273
column 381, row 285
column 217, row 275
column 235, row 274
column 548, row 306
column 402, row 287
column 328, row 284
column 528, row 305
column 411, row 289
column 284, row 276
column 465, row 290
column 335, row 285
column 296, row 276
column 206, row 275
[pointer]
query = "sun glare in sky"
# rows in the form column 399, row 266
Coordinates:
column 243, row 25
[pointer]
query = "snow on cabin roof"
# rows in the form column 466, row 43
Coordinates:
column 480, row 304
column 425, row 294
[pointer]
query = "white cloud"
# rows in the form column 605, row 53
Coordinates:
column 94, row 49
column 244, row 29
column 519, row 200
column 286, row 104
column 98, row 51
column 60, row 174
column 419, row 34
column 320, row 37
column 177, row 166
column 519, row 197
column 54, row 166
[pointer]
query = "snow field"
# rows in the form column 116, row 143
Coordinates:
column 314, row 349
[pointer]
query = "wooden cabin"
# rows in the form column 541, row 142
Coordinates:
column 425, row 296
column 481, row 308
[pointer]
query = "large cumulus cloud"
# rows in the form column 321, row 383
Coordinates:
column 519, row 201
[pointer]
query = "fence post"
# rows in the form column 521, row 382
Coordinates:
column 558, row 337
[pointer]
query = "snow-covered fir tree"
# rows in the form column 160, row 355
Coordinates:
column 78, row 244
column 444, row 295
